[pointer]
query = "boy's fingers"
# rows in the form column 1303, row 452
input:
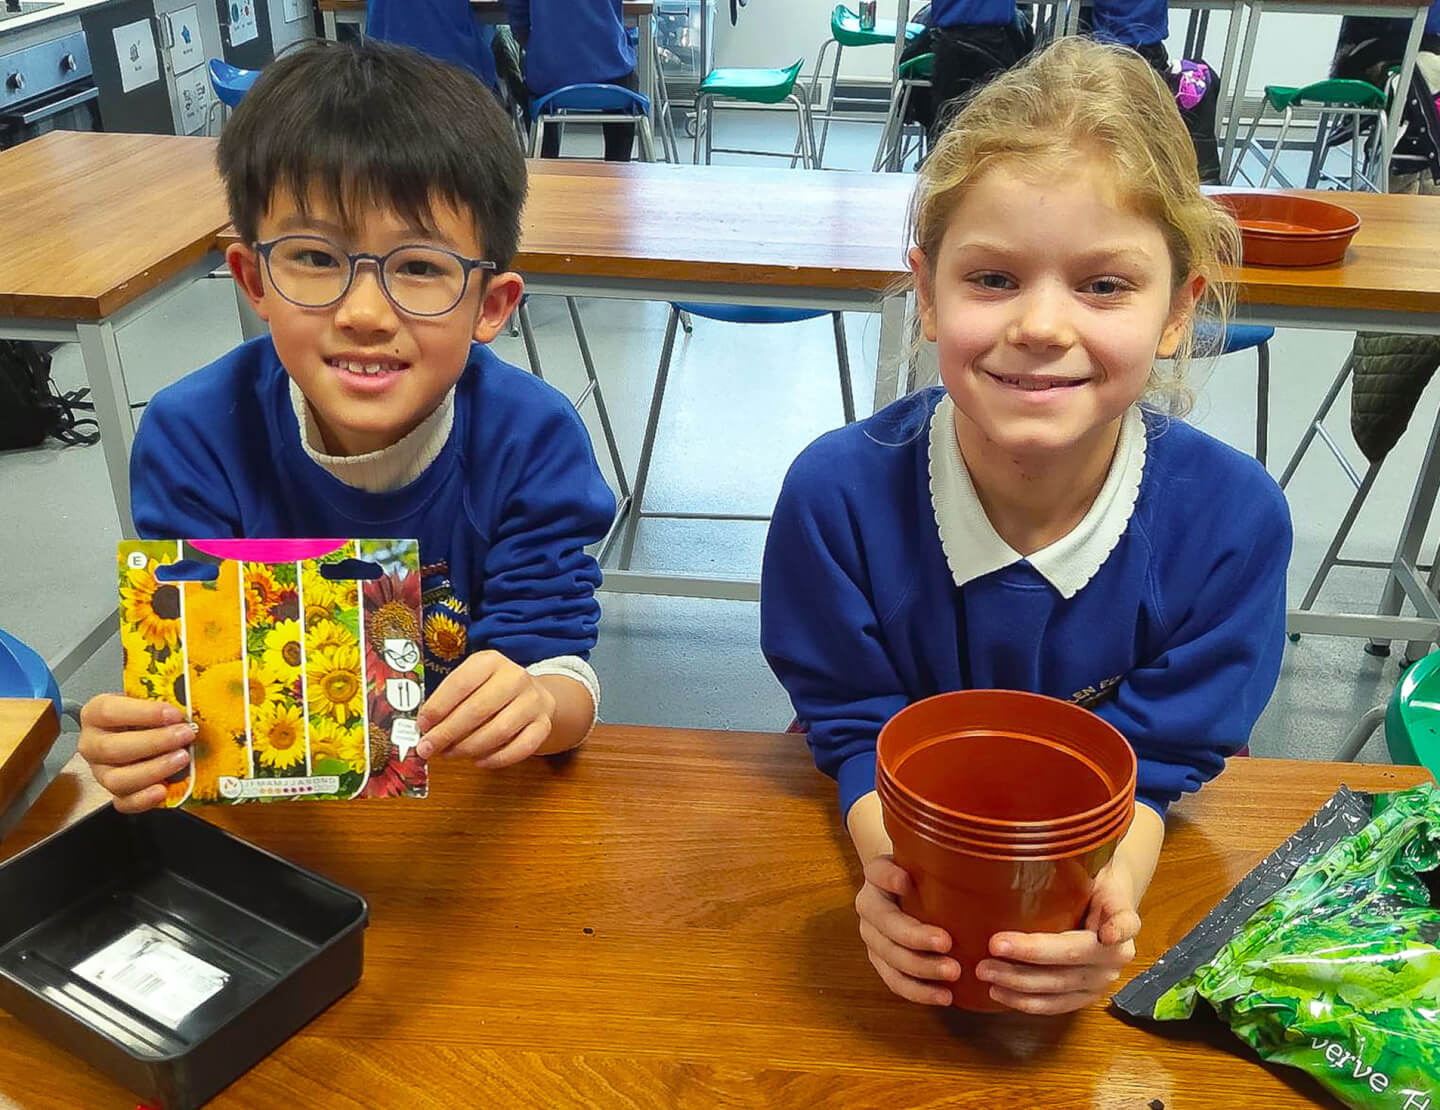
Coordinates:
column 521, row 748
column 1122, row 927
column 909, row 962
column 467, row 717
column 152, row 797
column 927, row 994
column 112, row 711
column 116, row 749
column 1042, row 1003
column 1077, row 948
column 498, row 731
column 136, row 777
column 457, row 688
column 1028, row 979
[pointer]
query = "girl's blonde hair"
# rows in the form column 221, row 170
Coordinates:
column 1080, row 99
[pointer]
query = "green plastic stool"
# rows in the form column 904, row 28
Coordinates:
column 845, row 32
column 1412, row 720
column 1358, row 100
column 915, row 73
column 753, row 86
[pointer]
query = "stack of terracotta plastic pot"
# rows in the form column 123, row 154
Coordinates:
column 1002, row 806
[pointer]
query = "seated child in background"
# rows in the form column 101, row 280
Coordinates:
column 378, row 193
column 1045, row 522
column 576, row 42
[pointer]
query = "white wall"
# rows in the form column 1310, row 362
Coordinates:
column 1292, row 49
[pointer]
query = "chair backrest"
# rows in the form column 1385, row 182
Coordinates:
column 591, row 98
column 23, row 674
column 230, row 82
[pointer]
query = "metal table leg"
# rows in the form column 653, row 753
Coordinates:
column 892, row 359
column 1402, row 91
column 1237, row 93
column 112, row 410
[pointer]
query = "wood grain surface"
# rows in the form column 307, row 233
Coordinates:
column 665, row 920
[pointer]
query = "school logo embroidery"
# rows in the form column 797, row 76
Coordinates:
column 447, row 619
column 1092, row 696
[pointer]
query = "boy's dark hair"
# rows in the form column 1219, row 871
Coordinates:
column 374, row 123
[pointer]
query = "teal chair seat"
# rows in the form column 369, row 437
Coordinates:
column 1412, row 720
column 845, row 29
column 756, row 85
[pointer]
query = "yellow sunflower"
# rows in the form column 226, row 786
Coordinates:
column 138, row 663
column 332, row 683
column 343, row 742
column 218, row 697
column 445, row 637
column 326, row 633
column 168, row 682
column 212, row 621
column 265, row 685
column 153, row 607
column 278, row 736
column 323, row 597
column 261, row 589
column 283, row 651
column 216, row 755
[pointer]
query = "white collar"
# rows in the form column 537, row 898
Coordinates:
column 974, row 549
column 378, row 471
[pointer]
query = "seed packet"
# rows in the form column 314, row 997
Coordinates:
column 299, row 661
column 1325, row 956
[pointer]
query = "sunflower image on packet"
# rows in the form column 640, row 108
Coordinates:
column 299, row 661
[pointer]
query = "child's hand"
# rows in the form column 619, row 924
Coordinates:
column 488, row 709
column 133, row 746
column 902, row 948
column 1054, row 973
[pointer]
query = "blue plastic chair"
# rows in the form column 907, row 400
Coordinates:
column 1244, row 337
column 23, row 674
column 592, row 103
column 633, row 512
column 230, row 82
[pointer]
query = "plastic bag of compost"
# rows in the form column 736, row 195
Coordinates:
column 1325, row 956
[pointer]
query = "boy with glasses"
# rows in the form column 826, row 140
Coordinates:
column 378, row 193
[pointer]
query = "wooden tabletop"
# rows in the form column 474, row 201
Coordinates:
column 665, row 920
column 28, row 730
column 91, row 221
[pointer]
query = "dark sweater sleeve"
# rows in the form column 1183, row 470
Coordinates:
column 178, row 487
column 819, row 631
column 539, row 599
column 1193, row 706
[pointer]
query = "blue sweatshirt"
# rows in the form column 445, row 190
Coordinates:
column 444, row 29
column 1176, row 639
column 975, row 13
column 503, row 514
column 571, row 42
column 1432, row 21
column 1132, row 22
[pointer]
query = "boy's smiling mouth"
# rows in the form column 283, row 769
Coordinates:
column 370, row 367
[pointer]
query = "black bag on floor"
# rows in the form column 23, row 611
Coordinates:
column 31, row 407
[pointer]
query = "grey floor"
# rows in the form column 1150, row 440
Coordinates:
column 742, row 402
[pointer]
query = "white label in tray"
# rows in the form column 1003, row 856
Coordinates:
column 147, row 970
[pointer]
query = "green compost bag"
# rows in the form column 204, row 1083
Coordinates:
column 1325, row 956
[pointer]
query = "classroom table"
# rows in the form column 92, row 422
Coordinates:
column 760, row 235
column 96, row 230
column 666, row 920
column 637, row 14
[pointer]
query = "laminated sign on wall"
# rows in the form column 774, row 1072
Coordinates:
column 243, row 27
column 186, row 49
column 135, row 50
column 299, row 661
